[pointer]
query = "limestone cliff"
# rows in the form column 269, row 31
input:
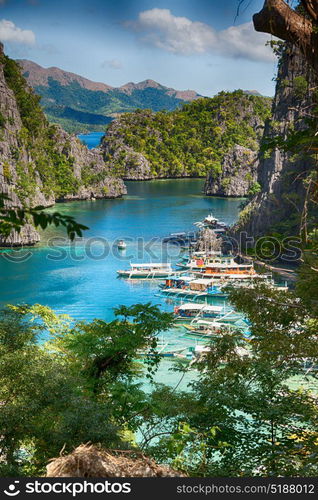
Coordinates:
column 199, row 139
column 40, row 163
column 282, row 172
column 131, row 164
column 238, row 176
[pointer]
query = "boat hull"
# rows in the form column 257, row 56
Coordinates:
column 144, row 275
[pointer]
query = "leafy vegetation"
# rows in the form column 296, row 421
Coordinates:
column 50, row 163
column 84, row 109
column 250, row 412
column 28, row 102
column 14, row 218
column 77, row 387
column 190, row 141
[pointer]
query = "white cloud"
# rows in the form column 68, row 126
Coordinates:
column 9, row 32
column 180, row 35
column 112, row 63
column 244, row 41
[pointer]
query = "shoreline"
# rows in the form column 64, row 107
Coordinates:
column 287, row 273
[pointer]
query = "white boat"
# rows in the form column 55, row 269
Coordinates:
column 209, row 328
column 150, row 271
column 121, row 245
column 183, row 286
column 201, row 351
column 216, row 264
column 210, row 220
column 189, row 311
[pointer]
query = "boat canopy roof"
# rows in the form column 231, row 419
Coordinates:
column 213, row 308
column 192, row 307
column 211, row 253
column 202, row 348
column 225, row 265
column 244, row 276
column 203, row 281
column 157, row 265
column 213, row 323
column 180, row 278
column 189, row 306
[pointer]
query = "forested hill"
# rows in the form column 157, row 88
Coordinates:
column 189, row 142
column 39, row 162
column 80, row 105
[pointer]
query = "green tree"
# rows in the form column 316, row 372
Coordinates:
column 77, row 387
column 251, row 409
column 42, row 405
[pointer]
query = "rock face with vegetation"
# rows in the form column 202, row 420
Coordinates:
column 238, row 175
column 286, row 164
column 189, row 142
column 39, row 163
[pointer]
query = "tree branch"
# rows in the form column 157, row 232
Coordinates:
column 280, row 20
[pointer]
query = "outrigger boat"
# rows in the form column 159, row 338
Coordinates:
column 193, row 312
column 164, row 350
column 190, row 311
column 150, row 271
column 213, row 285
column 191, row 287
column 205, row 328
column 215, row 264
column 180, row 238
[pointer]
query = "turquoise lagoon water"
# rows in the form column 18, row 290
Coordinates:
column 91, row 140
column 80, row 279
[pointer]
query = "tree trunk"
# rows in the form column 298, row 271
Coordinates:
column 311, row 7
column 280, row 20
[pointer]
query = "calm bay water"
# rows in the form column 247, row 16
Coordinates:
column 80, row 279
column 91, row 140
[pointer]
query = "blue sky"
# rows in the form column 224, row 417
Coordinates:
column 184, row 44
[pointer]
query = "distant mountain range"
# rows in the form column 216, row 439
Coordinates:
column 81, row 105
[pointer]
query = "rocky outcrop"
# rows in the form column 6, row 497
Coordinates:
column 39, row 163
column 238, row 175
column 108, row 187
column 94, row 178
column 28, row 236
column 282, row 174
column 189, row 142
column 134, row 166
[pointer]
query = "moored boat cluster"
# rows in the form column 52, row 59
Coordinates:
column 195, row 283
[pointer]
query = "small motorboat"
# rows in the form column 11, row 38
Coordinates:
column 121, row 245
